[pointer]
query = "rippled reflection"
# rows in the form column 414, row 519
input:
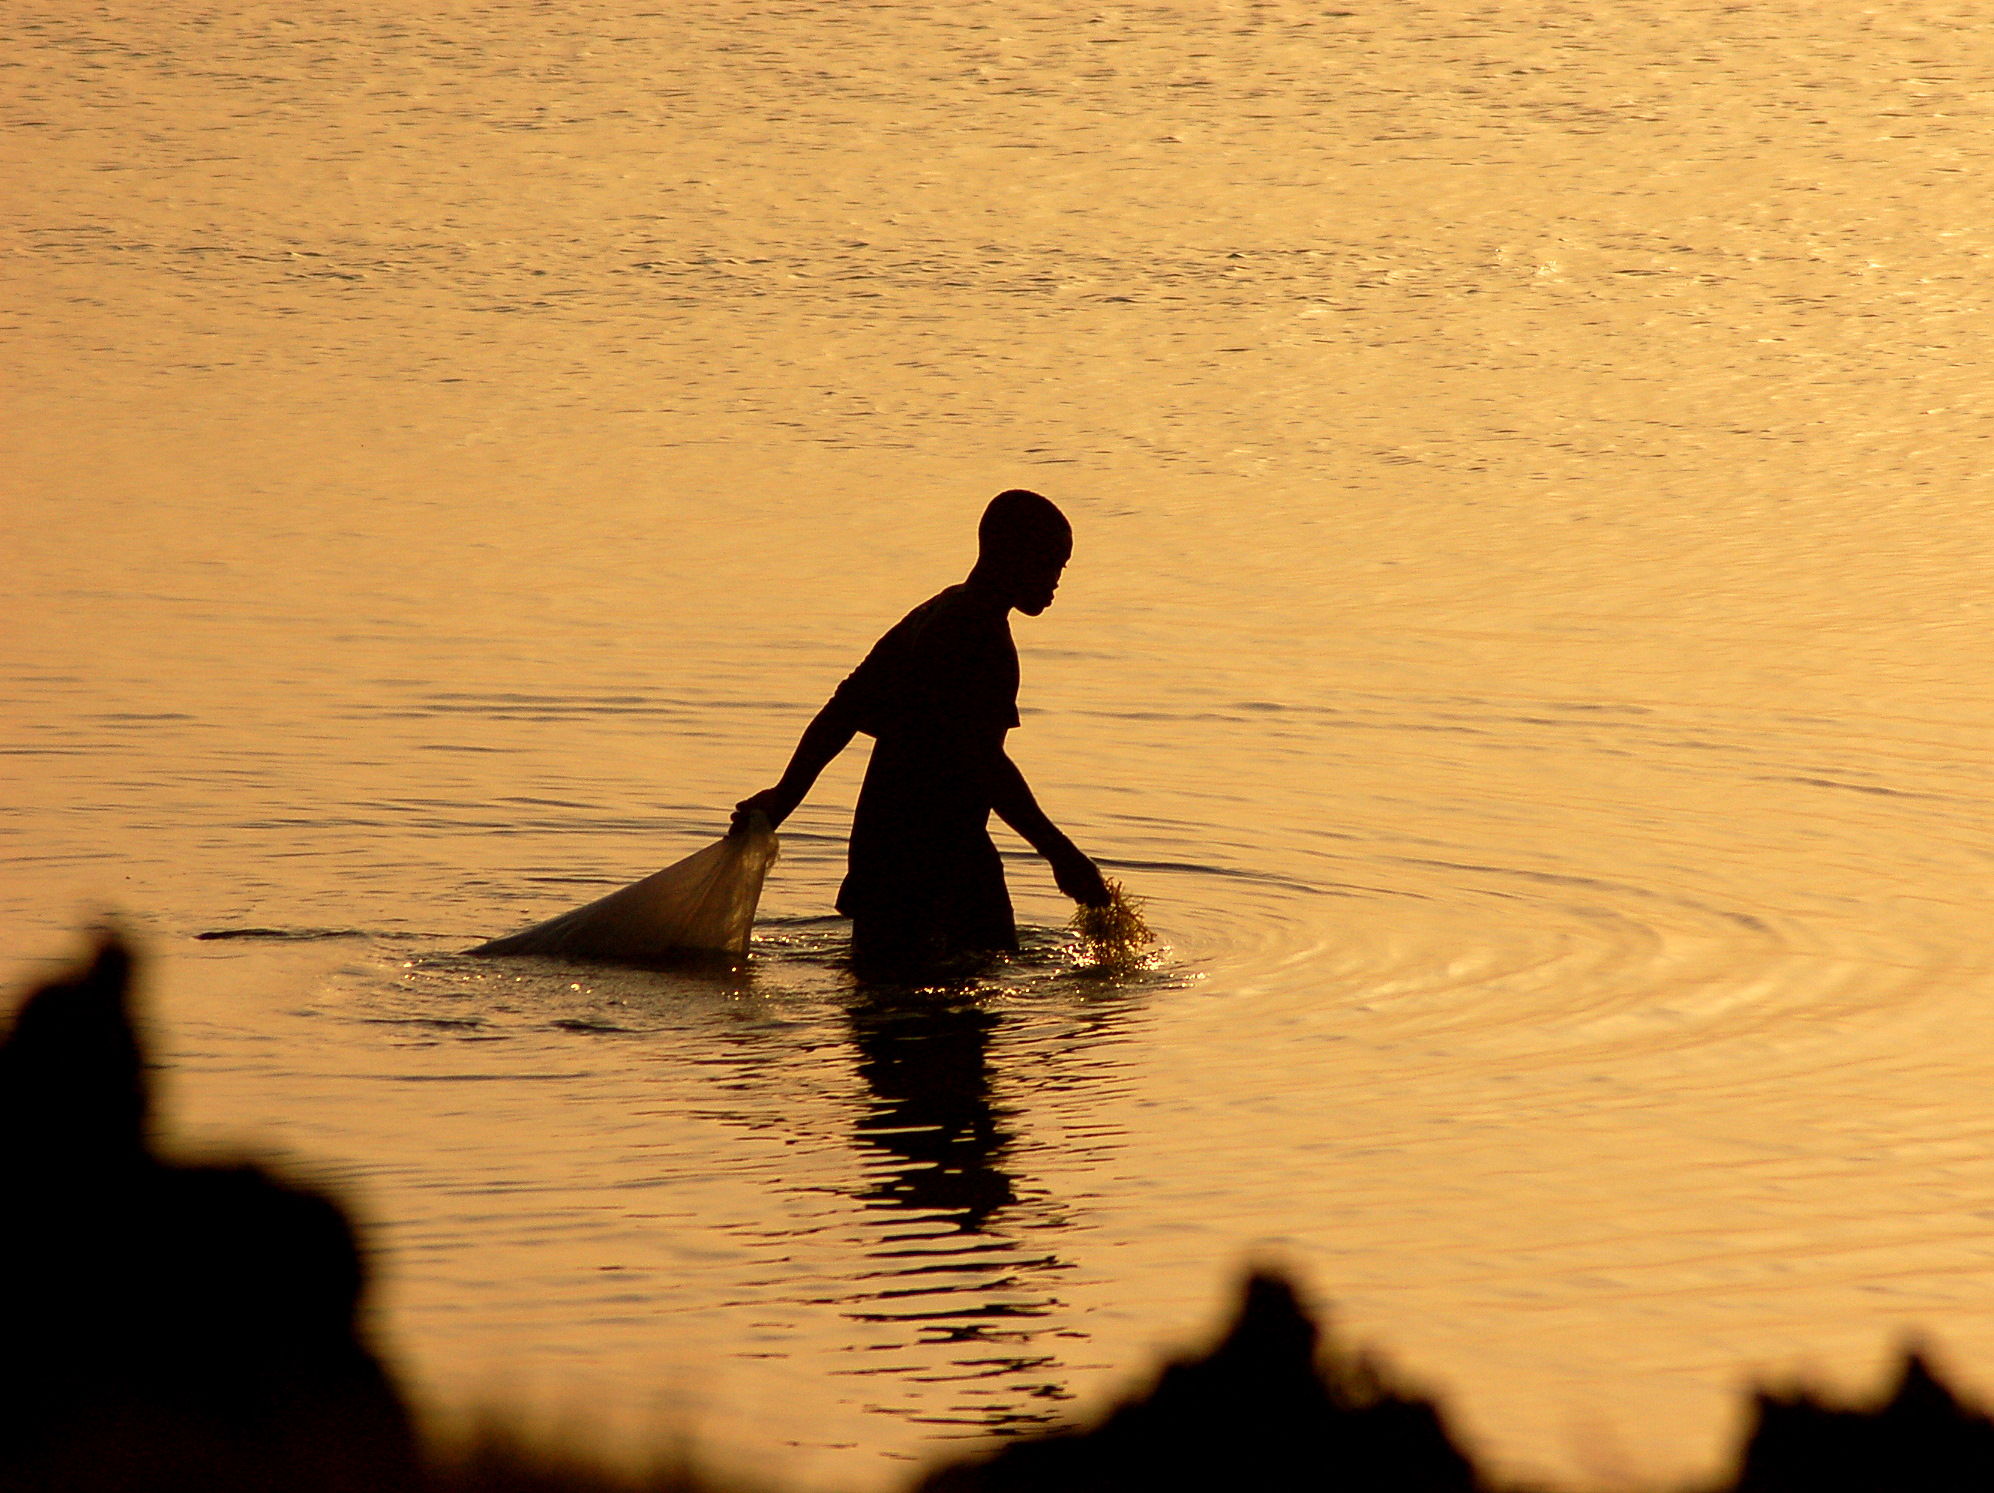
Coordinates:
column 890, row 1132
column 925, row 1057
column 951, row 1266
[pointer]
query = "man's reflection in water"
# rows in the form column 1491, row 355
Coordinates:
column 951, row 1268
column 925, row 1057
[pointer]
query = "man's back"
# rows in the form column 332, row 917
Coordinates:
column 947, row 670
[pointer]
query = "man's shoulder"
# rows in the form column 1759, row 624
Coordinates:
column 949, row 662
column 950, row 601
column 955, row 612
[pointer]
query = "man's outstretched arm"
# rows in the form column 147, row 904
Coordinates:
column 828, row 734
column 1077, row 876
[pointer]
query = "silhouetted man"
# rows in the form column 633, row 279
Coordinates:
column 938, row 693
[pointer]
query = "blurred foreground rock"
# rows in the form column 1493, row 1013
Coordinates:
column 166, row 1327
column 1263, row 1409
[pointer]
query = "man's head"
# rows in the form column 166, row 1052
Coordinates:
column 1023, row 542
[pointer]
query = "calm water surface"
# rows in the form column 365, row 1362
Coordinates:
column 1527, row 643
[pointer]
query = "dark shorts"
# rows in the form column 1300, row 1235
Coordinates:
column 925, row 884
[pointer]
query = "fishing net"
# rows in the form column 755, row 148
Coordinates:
column 703, row 905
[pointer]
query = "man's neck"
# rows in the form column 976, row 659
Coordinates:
column 989, row 589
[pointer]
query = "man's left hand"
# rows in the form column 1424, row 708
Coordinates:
column 1079, row 877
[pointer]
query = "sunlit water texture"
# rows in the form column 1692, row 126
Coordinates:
column 1526, row 647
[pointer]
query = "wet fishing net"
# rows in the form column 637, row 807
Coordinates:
column 1113, row 937
column 704, row 906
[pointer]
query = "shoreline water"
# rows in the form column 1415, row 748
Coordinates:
column 202, row 1326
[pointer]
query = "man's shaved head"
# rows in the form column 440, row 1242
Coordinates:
column 1020, row 525
column 1023, row 543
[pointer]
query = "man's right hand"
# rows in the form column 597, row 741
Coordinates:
column 777, row 803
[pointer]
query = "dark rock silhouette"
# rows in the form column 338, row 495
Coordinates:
column 1918, row 1438
column 166, row 1326
column 1261, row 1410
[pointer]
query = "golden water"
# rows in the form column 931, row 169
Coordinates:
column 1526, row 647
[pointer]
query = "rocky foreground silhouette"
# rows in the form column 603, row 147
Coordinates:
column 182, row 1328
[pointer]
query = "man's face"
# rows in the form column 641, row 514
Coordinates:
column 1037, row 580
